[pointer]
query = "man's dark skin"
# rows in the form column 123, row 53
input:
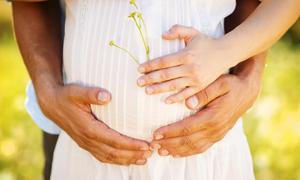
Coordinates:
column 37, row 27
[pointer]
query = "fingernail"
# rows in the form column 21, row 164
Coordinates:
column 103, row 96
column 147, row 154
column 141, row 82
column 156, row 146
column 140, row 161
column 158, row 136
column 193, row 101
column 141, row 69
column 149, row 90
column 169, row 101
column 164, row 152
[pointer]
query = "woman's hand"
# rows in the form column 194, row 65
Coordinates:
column 188, row 71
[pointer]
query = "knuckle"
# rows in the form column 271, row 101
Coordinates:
column 186, row 141
column 203, row 96
column 148, row 79
column 210, row 124
column 161, row 62
column 114, row 144
column 172, row 86
column 163, row 75
column 196, row 81
column 194, row 69
column 89, row 133
column 186, row 130
column 188, row 56
column 200, row 149
column 112, row 155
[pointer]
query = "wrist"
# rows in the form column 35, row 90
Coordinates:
column 230, row 53
column 46, row 88
column 251, row 72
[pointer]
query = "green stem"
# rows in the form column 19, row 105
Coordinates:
column 128, row 52
column 146, row 37
column 143, row 38
column 136, row 7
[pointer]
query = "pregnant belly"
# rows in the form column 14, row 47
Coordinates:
column 132, row 112
column 90, row 61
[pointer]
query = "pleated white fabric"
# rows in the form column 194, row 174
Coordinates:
column 90, row 61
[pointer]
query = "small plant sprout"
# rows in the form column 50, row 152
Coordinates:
column 112, row 43
column 137, row 18
column 133, row 2
column 139, row 21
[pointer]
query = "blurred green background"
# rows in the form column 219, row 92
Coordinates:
column 273, row 125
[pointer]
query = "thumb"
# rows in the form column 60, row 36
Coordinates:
column 180, row 32
column 207, row 95
column 89, row 95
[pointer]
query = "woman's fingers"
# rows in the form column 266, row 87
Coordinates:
column 163, row 62
column 180, row 32
column 213, row 91
column 163, row 75
column 169, row 86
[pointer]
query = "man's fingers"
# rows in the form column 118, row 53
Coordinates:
column 163, row 75
column 167, row 61
column 205, row 96
column 114, row 139
column 109, row 146
column 120, row 156
column 172, row 85
column 182, row 95
column 180, row 32
column 200, row 120
column 201, row 148
column 89, row 95
column 178, row 145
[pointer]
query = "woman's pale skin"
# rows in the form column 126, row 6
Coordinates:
column 204, row 59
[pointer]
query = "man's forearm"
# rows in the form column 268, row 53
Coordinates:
column 38, row 32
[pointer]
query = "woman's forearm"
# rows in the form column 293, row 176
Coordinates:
column 260, row 30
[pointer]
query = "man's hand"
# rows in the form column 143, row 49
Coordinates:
column 224, row 101
column 69, row 107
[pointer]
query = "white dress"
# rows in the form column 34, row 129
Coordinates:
column 90, row 61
